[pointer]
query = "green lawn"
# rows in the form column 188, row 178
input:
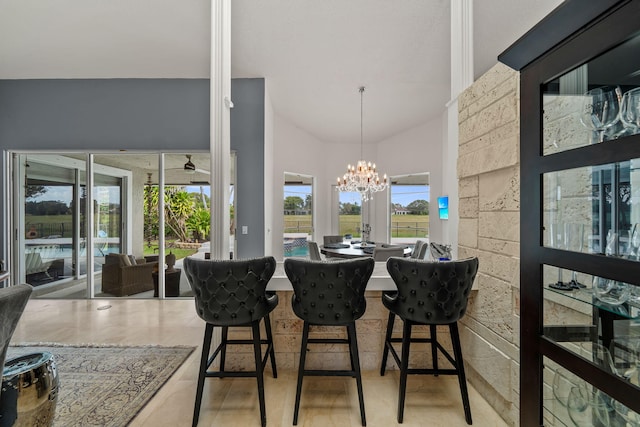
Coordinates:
column 179, row 253
column 402, row 225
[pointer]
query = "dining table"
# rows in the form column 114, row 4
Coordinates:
column 353, row 249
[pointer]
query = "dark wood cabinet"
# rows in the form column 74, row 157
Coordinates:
column 580, row 215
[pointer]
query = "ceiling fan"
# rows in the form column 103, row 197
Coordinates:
column 190, row 167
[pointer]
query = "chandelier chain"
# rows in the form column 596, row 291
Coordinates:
column 363, row 177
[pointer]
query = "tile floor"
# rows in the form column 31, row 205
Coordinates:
column 431, row 401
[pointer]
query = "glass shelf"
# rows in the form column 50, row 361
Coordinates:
column 627, row 310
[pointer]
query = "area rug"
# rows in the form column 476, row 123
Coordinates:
column 103, row 385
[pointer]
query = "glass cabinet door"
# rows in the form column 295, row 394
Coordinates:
column 590, row 205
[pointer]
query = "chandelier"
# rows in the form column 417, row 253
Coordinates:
column 362, row 177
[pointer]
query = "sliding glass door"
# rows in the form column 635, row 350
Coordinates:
column 50, row 224
column 139, row 213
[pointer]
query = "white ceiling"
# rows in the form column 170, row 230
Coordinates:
column 314, row 54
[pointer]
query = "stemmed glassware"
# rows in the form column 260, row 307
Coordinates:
column 600, row 109
column 574, row 241
column 557, row 240
column 610, row 291
column 630, row 112
column 588, row 407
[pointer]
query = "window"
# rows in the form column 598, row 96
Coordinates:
column 350, row 214
column 409, row 214
column 298, row 214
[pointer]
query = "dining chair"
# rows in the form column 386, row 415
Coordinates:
column 332, row 239
column 233, row 293
column 382, row 254
column 314, row 251
column 415, row 253
column 329, row 294
column 13, row 300
column 429, row 293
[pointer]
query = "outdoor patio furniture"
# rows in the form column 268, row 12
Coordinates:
column 124, row 275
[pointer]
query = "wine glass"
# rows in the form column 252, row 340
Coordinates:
column 611, row 247
column 630, row 111
column 587, row 406
column 574, row 241
column 601, row 109
column 631, row 418
column 634, row 244
column 563, row 381
column 557, row 239
column 610, row 291
column 624, row 357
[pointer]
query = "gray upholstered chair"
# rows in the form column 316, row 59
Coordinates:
column 429, row 293
column 332, row 239
column 420, row 249
column 12, row 303
column 382, row 254
column 233, row 293
column 314, row 252
column 329, row 294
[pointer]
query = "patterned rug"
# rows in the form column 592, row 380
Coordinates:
column 106, row 385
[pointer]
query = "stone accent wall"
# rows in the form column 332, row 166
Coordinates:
column 489, row 228
column 371, row 328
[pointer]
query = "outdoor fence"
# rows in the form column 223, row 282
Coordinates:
column 51, row 230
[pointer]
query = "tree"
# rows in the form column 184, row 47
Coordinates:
column 418, row 207
column 32, row 191
column 200, row 224
column 293, row 203
column 178, row 206
column 349, row 208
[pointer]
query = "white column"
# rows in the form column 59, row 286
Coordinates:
column 461, row 78
column 220, row 104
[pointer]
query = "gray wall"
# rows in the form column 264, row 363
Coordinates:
column 247, row 138
column 136, row 114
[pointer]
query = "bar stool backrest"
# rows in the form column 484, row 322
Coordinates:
column 13, row 300
column 230, row 292
column 431, row 292
column 329, row 293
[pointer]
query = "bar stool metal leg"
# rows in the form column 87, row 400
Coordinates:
column 255, row 329
column 355, row 363
column 223, row 351
column 303, row 356
column 272, row 353
column 387, row 343
column 202, row 373
column 434, row 348
column 462, row 379
column 406, row 342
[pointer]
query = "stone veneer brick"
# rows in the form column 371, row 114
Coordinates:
column 489, row 228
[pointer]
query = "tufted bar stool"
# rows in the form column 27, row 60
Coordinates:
column 329, row 294
column 429, row 293
column 232, row 293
